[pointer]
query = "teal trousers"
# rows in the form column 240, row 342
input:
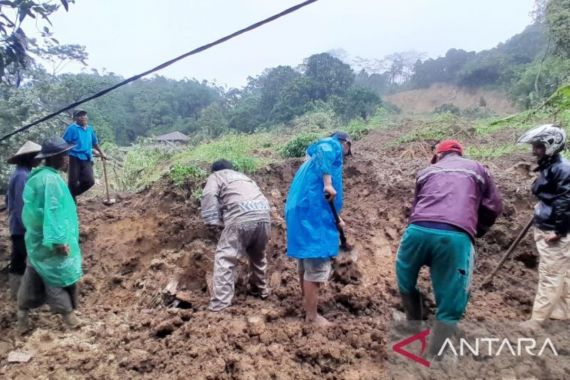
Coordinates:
column 450, row 257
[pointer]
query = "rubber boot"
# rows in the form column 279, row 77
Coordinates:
column 439, row 333
column 71, row 320
column 414, row 313
column 14, row 281
column 23, row 322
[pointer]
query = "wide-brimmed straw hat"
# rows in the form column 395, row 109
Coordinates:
column 29, row 148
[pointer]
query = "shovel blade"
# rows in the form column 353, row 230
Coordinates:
column 109, row 202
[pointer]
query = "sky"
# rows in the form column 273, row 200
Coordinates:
column 130, row 36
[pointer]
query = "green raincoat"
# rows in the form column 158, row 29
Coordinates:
column 50, row 218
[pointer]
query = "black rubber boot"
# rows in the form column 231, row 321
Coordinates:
column 439, row 333
column 14, row 281
column 23, row 323
column 413, row 308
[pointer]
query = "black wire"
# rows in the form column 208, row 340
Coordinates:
column 162, row 66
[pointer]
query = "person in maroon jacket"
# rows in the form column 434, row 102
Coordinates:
column 456, row 201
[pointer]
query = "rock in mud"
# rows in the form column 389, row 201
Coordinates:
column 19, row 357
column 255, row 325
column 167, row 327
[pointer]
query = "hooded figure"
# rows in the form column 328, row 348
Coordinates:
column 312, row 235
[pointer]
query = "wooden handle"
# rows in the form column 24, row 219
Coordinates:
column 516, row 242
column 106, row 181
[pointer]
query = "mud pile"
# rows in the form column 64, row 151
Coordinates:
column 148, row 261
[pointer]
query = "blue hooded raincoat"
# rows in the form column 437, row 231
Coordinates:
column 311, row 228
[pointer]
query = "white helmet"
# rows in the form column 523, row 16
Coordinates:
column 551, row 135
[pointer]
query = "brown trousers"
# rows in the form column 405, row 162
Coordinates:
column 246, row 238
column 552, row 299
column 34, row 293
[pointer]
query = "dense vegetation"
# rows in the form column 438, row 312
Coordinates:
column 324, row 92
column 530, row 66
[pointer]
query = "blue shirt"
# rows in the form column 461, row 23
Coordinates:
column 14, row 200
column 83, row 138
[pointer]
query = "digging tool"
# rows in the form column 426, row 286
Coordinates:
column 344, row 268
column 514, row 244
column 109, row 201
column 343, row 244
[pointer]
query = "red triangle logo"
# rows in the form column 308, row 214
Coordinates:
column 399, row 347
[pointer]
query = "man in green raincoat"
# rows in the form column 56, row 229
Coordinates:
column 52, row 239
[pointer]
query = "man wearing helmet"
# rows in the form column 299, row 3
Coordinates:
column 552, row 223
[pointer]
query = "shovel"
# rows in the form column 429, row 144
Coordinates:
column 343, row 244
column 109, row 201
column 345, row 269
column 489, row 279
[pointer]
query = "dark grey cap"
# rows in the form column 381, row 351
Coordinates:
column 54, row 146
column 343, row 136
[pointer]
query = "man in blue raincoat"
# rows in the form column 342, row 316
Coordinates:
column 312, row 235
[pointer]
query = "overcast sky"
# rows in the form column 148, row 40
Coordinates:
column 131, row 36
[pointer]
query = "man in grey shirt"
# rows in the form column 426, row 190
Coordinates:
column 234, row 201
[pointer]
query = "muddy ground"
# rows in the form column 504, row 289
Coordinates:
column 155, row 240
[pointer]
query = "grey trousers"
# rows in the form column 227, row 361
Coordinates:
column 34, row 293
column 246, row 238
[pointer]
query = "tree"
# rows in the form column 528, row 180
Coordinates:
column 558, row 20
column 441, row 70
column 272, row 84
column 296, row 99
column 379, row 83
column 246, row 117
column 401, row 65
column 358, row 102
column 329, row 75
column 538, row 13
column 213, row 121
column 60, row 55
column 15, row 46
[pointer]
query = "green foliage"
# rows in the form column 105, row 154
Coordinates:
column 321, row 118
column 441, row 70
column 491, row 152
column 15, row 46
column 246, row 164
column 558, row 21
column 540, row 79
column 180, row 174
column 556, row 109
column 449, row 108
column 438, row 127
column 188, row 177
column 359, row 102
column 357, row 129
column 212, row 121
column 246, row 117
column 296, row 98
column 272, row 85
column 497, row 66
column 330, row 75
column 141, row 167
column 297, row 146
column 237, row 148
